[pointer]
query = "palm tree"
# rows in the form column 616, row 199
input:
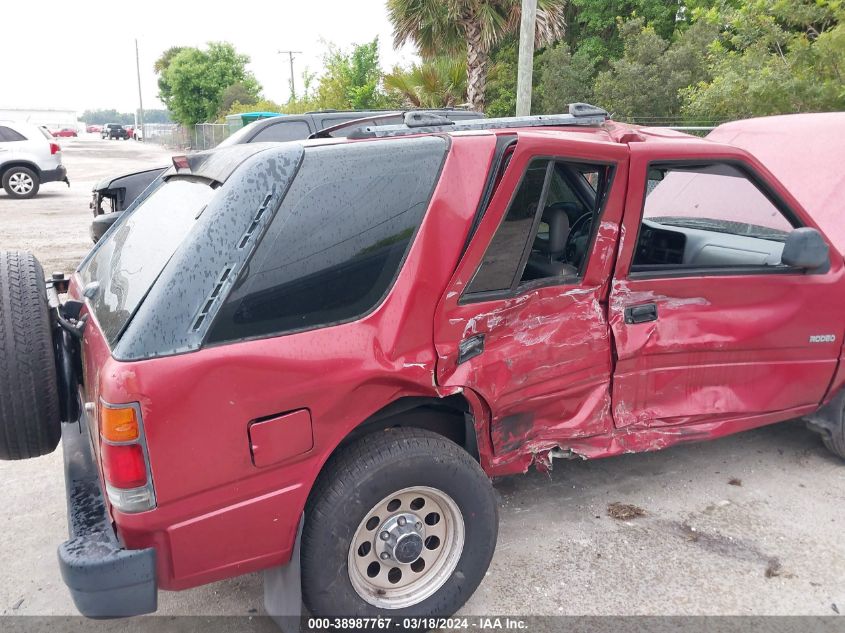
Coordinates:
column 439, row 27
column 435, row 83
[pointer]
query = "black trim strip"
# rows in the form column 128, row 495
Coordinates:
column 503, row 143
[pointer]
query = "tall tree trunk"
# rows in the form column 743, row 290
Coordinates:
column 478, row 64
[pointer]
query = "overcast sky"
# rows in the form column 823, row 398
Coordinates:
column 81, row 55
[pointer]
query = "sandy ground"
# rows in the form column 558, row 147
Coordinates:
column 54, row 224
column 747, row 525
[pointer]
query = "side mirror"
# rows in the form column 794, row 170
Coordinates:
column 805, row 248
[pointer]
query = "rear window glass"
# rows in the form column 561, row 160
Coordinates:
column 131, row 257
column 337, row 242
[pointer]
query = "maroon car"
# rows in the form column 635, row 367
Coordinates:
column 311, row 357
column 65, row 132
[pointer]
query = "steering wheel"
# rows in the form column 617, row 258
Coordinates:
column 580, row 228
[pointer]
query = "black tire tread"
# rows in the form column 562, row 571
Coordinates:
column 835, row 442
column 350, row 465
column 29, row 402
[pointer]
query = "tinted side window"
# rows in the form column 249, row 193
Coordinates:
column 336, row 244
column 504, row 254
column 283, row 131
column 551, row 217
column 9, row 135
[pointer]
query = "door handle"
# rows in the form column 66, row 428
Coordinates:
column 641, row 314
column 470, row 348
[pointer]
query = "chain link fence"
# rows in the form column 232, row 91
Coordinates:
column 209, row 135
column 202, row 136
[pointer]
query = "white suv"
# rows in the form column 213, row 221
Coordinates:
column 29, row 156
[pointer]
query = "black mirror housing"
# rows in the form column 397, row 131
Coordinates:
column 805, row 248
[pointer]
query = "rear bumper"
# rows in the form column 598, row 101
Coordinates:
column 105, row 580
column 54, row 175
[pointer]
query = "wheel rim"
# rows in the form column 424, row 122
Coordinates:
column 21, row 183
column 403, row 552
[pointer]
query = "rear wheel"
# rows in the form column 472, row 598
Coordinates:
column 21, row 182
column 403, row 522
column 29, row 400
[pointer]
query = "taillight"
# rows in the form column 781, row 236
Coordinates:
column 123, row 455
column 123, row 466
column 54, row 148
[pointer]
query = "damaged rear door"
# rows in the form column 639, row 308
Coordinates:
column 523, row 322
column 710, row 325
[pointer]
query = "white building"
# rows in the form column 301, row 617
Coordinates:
column 53, row 119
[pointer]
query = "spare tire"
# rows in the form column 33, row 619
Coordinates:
column 29, row 396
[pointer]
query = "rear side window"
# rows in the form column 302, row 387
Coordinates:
column 132, row 256
column 338, row 240
column 281, row 132
column 8, row 135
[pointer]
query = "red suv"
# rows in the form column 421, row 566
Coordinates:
column 311, row 357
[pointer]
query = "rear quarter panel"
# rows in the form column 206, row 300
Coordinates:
column 218, row 514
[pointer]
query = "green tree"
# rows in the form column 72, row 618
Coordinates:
column 237, row 93
column 263, row 105
column 500, row 95
column 436, row 83
column 101, row 117
column 196, row 80
column 563, row 78
column 645, row 83
column 349, row 77
column 470, row 27
column 165, row 92
column 351, row 80
column 595, row 22
column 157, row 116
column 772, row 57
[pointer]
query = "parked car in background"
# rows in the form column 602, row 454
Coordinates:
column 114, row 131
column 65, row 132
column 94, row 129
column 118, row 192
column 138, row 133
column 312, row 358
column 29, row 157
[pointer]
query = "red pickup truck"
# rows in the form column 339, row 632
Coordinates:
column 311, row 357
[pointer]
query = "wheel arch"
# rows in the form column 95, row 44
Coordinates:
column 449, row 416
column 19, row 163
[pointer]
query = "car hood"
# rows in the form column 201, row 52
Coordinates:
column 804, row 152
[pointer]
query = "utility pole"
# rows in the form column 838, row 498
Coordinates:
column 140, row 99
column 525, row 69
column 290, row 55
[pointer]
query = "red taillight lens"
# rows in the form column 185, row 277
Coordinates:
column 54, row 148
column 123, row 465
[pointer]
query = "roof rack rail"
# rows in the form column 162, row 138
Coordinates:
column 580, row 114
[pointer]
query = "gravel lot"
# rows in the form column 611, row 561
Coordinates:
column 747, row 525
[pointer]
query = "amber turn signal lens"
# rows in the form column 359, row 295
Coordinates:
column 118, row 425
